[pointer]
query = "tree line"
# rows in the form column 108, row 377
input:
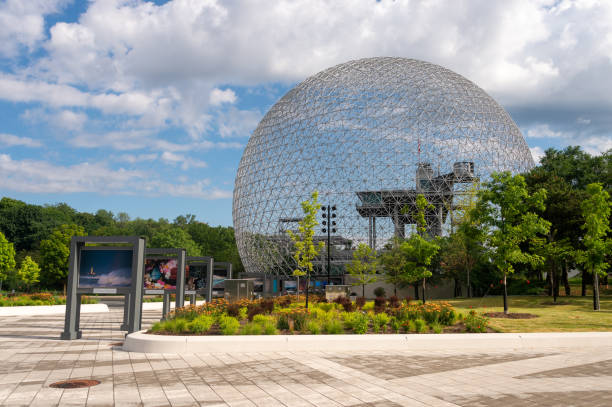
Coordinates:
column 34, row 239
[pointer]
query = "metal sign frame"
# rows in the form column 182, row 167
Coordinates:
column 133, row 295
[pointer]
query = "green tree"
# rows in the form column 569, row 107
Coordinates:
column 28, row 273
column 418, row 250
column 363, row 267
column 596, row 212
column 305, row 250
column 7, row 259
column 394, row 265
column 507, row 215
column 175, row 237
column 55, row 252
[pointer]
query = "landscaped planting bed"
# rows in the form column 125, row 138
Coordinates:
column 15, row 300
column 287, row 315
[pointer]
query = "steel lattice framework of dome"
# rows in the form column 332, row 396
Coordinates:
column 369, row 135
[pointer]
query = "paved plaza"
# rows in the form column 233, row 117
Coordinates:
column 32, row 357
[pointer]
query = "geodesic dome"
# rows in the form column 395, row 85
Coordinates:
column 369, row 135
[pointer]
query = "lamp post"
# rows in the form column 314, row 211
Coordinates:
column 329, row 227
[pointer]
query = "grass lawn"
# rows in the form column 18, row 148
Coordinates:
column 573, row 314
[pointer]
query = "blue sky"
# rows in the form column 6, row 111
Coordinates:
column 145, row 107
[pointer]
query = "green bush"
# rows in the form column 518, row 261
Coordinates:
column 282, row 322
column 269, row 327
column 201, row 324
column 325, row 306
column 333, row 327
column 228, row 325
column 379, row 292
column 395, row 324
column 252, row 328
column 361, row 324
column 475, row 322
column 420, row 326
column 379, row 322
column 314, row 327
column 437, row 328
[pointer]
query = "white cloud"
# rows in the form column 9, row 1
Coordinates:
column 43, row 177
column 543, row 131
column 22, row 23
column 597, row 144
column 218, row 96
column 12, row 140
column 536, row 153
column 136, row 158
column 238, row 123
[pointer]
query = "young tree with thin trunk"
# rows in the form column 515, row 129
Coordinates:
column 305, row 250
column 28, row 273
column 363, row 267
column 507, row 215
column 596, row 212
column 418, row 250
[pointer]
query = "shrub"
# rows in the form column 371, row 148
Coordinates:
column 325, row 306
column 269, row 328
column 361, row 323
column 42, row 296
column 394, row 301
column 407, row 300
column 201, row 324
column 228, row 325
column 380, row 304
column 261, row 319
column 333, row 327
column 345, row 303
column 379, row 292
column 475, row 322
column 233, row 310
column 379, row 322
column 267, row 305
column 360, row 302
column 369, row 306
column 420, row 326
column 395, row 324
column 254, row 309
column 252, row 328
column 437, row 328
column 314, row 327
column 282, row 322
column 299, row 317
column 176, row 326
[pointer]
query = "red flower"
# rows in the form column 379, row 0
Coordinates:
column 527, row 281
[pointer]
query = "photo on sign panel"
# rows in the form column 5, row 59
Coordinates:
column 105, row 268
column 160, row 274
column 195, row 277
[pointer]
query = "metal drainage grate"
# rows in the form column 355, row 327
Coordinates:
column 74, row 384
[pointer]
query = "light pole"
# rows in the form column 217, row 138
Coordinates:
column 329, row 226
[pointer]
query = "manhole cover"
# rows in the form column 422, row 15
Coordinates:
column 74, row 384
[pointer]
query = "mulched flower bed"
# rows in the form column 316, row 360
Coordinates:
column 514, row 315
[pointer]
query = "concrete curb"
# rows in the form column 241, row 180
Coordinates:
column 142, row 342
column 49, row 309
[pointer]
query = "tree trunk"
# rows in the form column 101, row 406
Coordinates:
column 424, row 296
column 469, row 287
column 298, row 287
column 505, row 295
column 457, row 290
column 595, row 291
column 566, row 284
column 416, row 291
column 307, row 288
column 549, row 283
column 363, row 290
column 584, row 275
